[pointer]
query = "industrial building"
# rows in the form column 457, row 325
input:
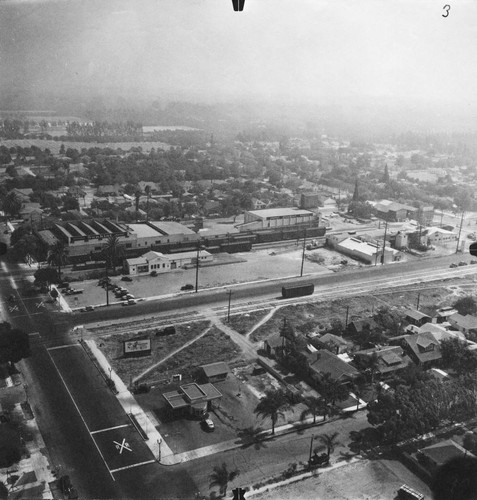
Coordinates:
column 368, row 252
column 273, row 218
column 89, row 237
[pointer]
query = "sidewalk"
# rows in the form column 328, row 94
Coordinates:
column 149, row 423
column 32, row 475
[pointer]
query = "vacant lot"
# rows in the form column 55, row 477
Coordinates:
column 112, row 347
column 214, row 346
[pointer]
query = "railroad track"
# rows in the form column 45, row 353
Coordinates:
column 417, row 280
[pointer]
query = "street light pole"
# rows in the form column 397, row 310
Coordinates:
column 159, row 441
column 384, row 242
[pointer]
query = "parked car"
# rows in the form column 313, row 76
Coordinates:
column 453, row 265
column 87, row 309
column 130, row 296
column 187, row 287
column 129, row 302
column 74, row 291
column 208, row 424
column 126, row 278
column 462, row 263
column 153, row 274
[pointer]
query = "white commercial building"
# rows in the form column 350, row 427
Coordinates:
column 162, row 263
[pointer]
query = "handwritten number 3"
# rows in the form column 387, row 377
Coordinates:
column 447, row 9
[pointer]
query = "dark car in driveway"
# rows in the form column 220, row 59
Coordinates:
column 208, row 424
column 187, row 287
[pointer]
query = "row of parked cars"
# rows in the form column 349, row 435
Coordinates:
column 120, row 292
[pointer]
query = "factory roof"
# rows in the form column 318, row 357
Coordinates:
column 267, row 213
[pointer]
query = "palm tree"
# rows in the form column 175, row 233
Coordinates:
column 221, row 476
column 330, row 441
column 332, row 390
column 272, row 405
column 316, row 406
column 58, row 256
column 112, row 251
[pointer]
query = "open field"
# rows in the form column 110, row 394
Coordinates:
column 54, row 146
column 112, row 347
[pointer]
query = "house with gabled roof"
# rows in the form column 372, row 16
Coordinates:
column 324, row 361
column 355, row 327
column 423, row 348
column 464, row 323
column 416, row 318
column 390, row 360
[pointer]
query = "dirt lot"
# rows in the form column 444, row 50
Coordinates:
column 363, row 480
column 112, row 347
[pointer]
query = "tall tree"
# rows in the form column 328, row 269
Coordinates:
column 12, row 204
column 221, row 477
column 316, row 406
column 58, row 256
column 356, row 191
column 330, row 441
column 113, row 251
column 466, row 305
column 273, row 405
column 14, row 344
column 332, row 390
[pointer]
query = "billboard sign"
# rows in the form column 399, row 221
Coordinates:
column 137, row 347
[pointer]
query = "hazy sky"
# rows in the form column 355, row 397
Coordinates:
column 293, row 50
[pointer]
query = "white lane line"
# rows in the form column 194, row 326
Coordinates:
column 34, row 333
column 133, row 465
column 111, row 428
column 62, row 346
column 81, row 416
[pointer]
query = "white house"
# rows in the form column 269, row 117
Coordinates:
column 161, row 263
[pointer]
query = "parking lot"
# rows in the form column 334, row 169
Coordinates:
column 244, row 267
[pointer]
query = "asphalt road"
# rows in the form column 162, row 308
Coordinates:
column 75, row 410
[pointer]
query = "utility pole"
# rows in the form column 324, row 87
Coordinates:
column 418, row 298
column 107, row 284
column 347, row 312
column 197, row 267
column 303, row 253
column 460, row 230
column 384, row 242
column 228, row 310
column 311, row 448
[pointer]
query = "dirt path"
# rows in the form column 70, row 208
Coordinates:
column 262, row 321
column 173, row 353
column 249, row 349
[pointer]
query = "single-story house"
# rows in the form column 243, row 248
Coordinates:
column 464, row 323
column 440, row 332
column 333, row 343
column 444, row 313
column 390, row 360
column 215, row 372
column 439, row 236
column 355, row 327
column 163, row 263
column 192, row 399
column 324, row 361
column 432, row 457
column 273, row 346
column 416, row 318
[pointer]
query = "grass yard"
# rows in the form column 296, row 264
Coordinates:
column 112, row 347
column 212, row 347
